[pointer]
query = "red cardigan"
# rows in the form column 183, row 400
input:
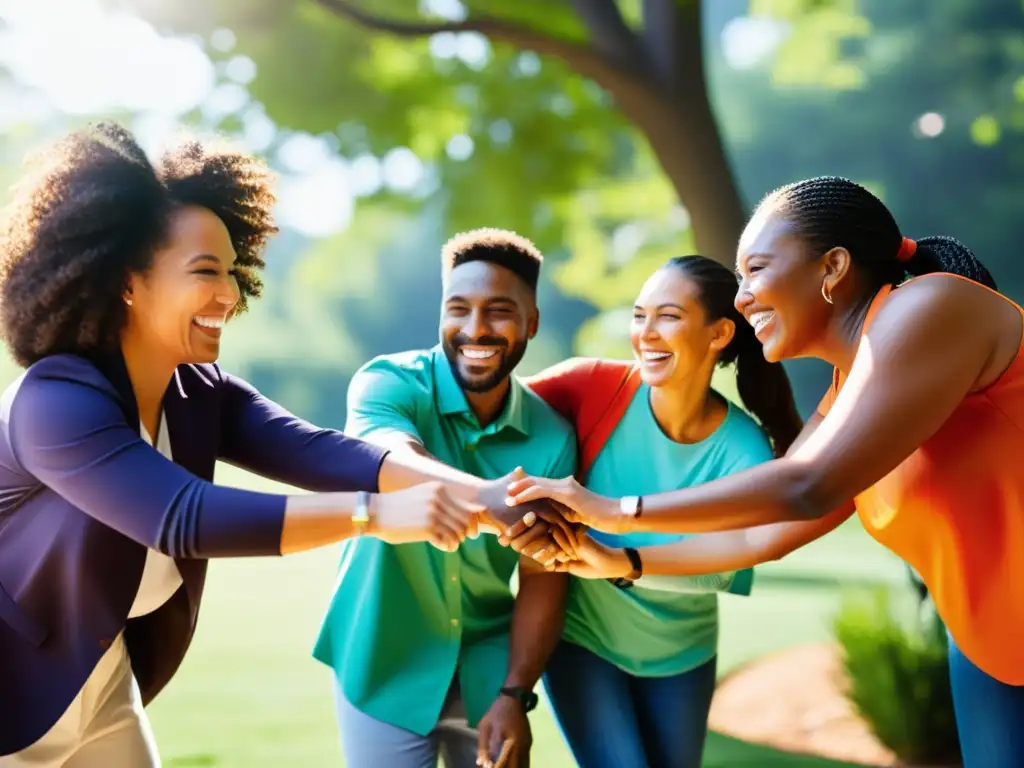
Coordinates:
column 593, row 395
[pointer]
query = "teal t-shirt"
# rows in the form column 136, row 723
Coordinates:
column 662, row 625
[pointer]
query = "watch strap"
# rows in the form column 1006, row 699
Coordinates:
column 625, row 582
column 528, row 700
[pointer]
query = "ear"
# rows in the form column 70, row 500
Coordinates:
column 722, row 332
column 533, row 324
column 130, row 285
column 836, row 265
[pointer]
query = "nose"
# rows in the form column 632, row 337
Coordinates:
column 744, row 297
column 228, row 293
column 476, row 325
column 648, row 329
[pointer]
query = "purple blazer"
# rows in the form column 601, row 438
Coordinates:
column 82, row 497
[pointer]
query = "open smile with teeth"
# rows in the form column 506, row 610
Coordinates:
column 760, row 319
column 478, row 353
column 209, row 325
column 650, row 356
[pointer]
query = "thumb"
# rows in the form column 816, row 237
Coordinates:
column 517, row 474
column 533, row 493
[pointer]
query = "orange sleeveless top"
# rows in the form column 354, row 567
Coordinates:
column 954, row 510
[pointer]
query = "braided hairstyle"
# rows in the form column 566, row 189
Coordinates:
column 763, row 386
column 92, row 211
column 830, row 211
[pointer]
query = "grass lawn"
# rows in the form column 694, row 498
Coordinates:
column 250, row 695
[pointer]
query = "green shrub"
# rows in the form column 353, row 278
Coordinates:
column 899, row 679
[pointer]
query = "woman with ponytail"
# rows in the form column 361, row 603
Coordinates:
column 922, row 432
column 631, row 682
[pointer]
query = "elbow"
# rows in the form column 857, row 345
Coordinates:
column 805, row 493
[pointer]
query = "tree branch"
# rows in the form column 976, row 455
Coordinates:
column 584, row 59
column 616, row 41
column 669, row 27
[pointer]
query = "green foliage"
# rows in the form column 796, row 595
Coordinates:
column 899, row 679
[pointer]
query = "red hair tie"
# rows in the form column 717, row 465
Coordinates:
column 907, row 249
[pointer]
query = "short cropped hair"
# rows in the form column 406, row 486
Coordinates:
column 497, row 246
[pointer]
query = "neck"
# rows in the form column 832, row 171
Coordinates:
column 486, row 406
column 843, row 333
column 687, row 411
column 149, row 373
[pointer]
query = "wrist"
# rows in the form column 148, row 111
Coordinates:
column 521, row 695
column 627, row 512
column 364, row 514
column 634, row 569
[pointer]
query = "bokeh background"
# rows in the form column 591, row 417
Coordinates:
column 614, row 133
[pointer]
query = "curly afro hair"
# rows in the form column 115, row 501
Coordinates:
column 92, row 211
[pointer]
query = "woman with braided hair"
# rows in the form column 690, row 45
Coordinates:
column 921, row 432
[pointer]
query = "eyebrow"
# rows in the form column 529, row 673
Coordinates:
column 492, row 300
column 203, row 257
column 664, row 306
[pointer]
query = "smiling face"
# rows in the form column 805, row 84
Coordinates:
column 780, row 292
column 182, row 302
column 488, row 316
column 671, row 334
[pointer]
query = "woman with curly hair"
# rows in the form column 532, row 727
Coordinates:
column 116, row 279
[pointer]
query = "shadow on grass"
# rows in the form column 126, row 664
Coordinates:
column 727, row 752
column 807, row 580
column 191, row 761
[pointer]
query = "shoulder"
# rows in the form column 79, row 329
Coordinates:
column 409, row 373
column 545, row 421
column 582, row 368
column 60, row 382
column 743, row 441
column 938, row 301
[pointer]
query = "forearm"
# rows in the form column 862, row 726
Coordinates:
column 316, row 520
column 718, row 553
column 774, row 492
column 686, row 584
column 408, row 463
column 536, row 624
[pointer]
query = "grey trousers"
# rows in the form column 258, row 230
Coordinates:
column 370, row 743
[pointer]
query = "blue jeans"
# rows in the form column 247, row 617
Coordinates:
column 989, row 715
column 612, row 719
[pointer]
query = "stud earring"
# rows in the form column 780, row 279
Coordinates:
column 824, row 294
column 129, row 301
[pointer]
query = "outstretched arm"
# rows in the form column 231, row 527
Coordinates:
column 923, row 354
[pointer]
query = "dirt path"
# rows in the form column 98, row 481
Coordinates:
column 793, row 701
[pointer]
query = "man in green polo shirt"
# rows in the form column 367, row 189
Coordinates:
column 430, row 649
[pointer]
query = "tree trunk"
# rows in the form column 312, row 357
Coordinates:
column 681, row 126
column 689, row 148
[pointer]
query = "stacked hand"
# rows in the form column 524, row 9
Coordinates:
column 580, row 505
column 537, row 529
column 431, row 512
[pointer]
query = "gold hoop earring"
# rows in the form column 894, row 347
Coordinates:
column 824, row 294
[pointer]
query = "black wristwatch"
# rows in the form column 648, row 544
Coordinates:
column 625, row 582
column 527, row 699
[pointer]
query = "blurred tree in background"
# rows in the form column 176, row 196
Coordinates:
column 535, row 129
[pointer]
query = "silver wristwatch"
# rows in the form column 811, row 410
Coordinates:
column 631, row 506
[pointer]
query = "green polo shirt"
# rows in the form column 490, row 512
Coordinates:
column 404, row 618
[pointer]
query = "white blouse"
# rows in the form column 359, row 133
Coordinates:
column 161, row 577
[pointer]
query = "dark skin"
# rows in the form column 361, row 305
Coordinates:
column 933, row 342
column 489, row 312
